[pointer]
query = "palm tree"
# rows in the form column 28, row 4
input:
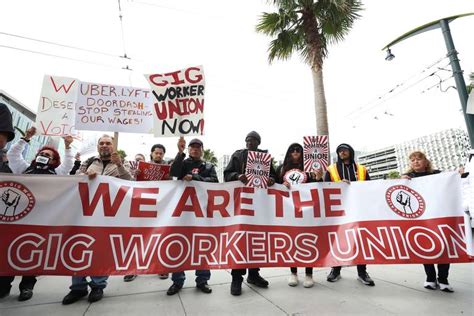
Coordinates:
column 307, row 27
column 208, row 155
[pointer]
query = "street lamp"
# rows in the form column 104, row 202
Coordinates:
column 453, row 59
column 389, row 56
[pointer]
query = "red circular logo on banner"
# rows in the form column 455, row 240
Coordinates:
column 405, row 201
column 16, row 201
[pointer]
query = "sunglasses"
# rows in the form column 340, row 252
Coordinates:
column 293, row 149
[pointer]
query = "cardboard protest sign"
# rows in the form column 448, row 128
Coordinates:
column 56, row 106
column 152, row 171
column 315, row 152
column 102, row 107
column 258, row 169
column 178, row 97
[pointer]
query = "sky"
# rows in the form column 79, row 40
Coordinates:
column 243, row 91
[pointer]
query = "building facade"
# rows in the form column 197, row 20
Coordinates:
column 222, row 162
column 23, row 118
column 446, row 149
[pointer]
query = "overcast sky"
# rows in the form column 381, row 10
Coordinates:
column 244, row 92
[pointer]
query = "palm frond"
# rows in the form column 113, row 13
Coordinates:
column 283, row 46
column 269, row 23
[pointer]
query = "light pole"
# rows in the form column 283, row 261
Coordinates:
column 453, row 59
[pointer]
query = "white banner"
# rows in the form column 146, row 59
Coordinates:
column 65, row 224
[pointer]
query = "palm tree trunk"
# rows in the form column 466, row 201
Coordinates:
column 322, row 127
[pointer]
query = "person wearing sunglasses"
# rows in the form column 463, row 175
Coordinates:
column 291, row 172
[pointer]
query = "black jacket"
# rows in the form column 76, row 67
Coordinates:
column 287, row 165
column 77, row 165
column 237, row 165
column 4, row 168
column 414, row 174
column 32, row 169
column 200, row 170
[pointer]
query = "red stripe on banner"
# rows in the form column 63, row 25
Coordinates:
column 76, row 250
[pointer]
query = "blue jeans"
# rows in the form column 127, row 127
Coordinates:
column 202, row 276
column 79, row 283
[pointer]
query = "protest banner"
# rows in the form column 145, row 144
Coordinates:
column 112, row 226
column 178, row 102
column 315, row 152
column 102, row 107
column 56, row 107
column 257, row 169
column 152, row 171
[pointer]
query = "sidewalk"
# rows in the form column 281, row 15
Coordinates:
column 398, row 291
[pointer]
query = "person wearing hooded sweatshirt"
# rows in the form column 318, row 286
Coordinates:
column 420, row 166
column 7, row 134
column 47, row 161
column 235, row 171
column 289, row 173
column 347, row 170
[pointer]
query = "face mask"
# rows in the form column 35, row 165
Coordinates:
column 41, row 160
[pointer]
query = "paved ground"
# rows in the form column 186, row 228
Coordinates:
column 398, row 291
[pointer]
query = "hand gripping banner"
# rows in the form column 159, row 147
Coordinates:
column 68, row 225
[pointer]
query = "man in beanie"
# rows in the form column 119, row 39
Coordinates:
column 7, row 134
column 191, row 169
column 347, row 170
column 234, row 171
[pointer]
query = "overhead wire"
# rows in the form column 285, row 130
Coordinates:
column 58, row 44
column 59, row 56
column 390, row 93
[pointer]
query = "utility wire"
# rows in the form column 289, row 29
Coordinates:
column 58, row 44
column 377, row 100
column 123, row 33
column 439, row 85
column 59, row 56
column 396, row 94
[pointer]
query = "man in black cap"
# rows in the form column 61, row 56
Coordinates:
column 192, row 169
column 347, row 170
column 234, row 171
column 7, row 134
